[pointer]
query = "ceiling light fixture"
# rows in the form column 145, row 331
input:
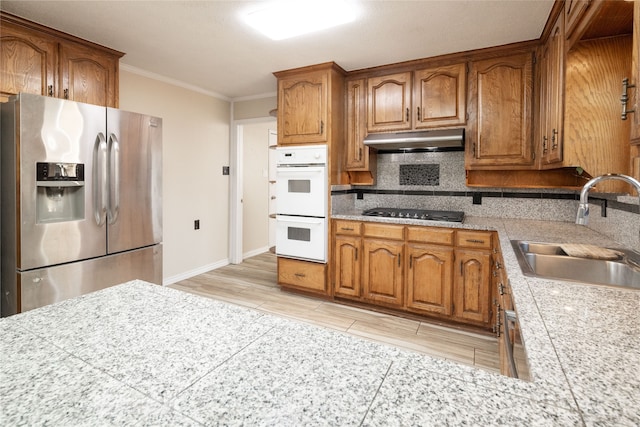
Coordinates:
column 285, row 19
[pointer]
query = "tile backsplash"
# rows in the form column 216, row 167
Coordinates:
column 437, row 181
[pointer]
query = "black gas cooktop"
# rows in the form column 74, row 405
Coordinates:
column 424, row 214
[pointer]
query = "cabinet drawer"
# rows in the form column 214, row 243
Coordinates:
column 384, row 231
column 302, row 274
column 474, row 239
column 438, row 236
column 350, row 228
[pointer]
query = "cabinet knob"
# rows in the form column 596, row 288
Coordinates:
column 50, row 90
column 66, row 94
column 419, row 114
column 407, row 114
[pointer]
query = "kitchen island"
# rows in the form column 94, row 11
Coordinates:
column 141, row 354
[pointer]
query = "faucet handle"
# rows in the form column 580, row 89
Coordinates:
column 583, row 214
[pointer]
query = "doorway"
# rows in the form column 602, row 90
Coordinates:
column 250, row 188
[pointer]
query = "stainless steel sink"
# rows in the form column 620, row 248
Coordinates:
column 548, row 260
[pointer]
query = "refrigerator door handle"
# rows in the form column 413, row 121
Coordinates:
column 114, row 179
column 100, row 179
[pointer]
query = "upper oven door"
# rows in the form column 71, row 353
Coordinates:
column 301, row 190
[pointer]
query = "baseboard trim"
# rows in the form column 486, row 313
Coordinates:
column 255, row 252
column 191, row 273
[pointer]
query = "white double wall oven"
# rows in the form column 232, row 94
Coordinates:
column 302, row 202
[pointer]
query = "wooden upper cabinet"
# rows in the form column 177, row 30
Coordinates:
column 574, row 10
column 88, row 76
column 27, row 61
column 440, row 96
column 635, row 78
column 552, row 69
column 40, row 60
column 356, row 153
column 389, row 103
column 420, row 99
column 500, row 123
column 303, row 108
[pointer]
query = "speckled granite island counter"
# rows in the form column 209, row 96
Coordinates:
column 141, row 354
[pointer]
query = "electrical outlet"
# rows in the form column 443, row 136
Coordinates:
column 225, row 170
column 196, row 224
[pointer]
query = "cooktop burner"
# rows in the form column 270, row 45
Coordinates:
column 425, row 214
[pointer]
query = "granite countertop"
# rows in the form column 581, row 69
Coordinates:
column 582, row 341
column 142, row 354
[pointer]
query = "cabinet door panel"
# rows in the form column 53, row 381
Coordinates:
column 440, row 96
column 635, row 76
column 302, row 109
column 472, row 286
column 500, row 131
column 87, row 76
column 429, row 276
column 357, row 154
column 389, row 102
column 382, row 271
column 27, row 62
column 347, row 266
column 555, row 95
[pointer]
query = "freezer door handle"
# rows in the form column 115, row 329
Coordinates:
column 114, row 179
column 100, row 179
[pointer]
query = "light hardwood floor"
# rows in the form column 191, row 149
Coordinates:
column 253, row 284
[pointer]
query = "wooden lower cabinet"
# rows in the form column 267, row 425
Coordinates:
column 382, row 271
column 429, row 279
column 472, row 286
column 436, row 272
column 347, row 254
column 302, row 275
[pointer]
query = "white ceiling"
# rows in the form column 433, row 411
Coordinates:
column 207, row 45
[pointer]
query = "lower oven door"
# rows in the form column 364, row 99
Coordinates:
column 301, row 237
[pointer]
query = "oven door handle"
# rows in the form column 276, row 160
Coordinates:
column 299, row 221
column 294, row 171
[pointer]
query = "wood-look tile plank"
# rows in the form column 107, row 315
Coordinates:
column 253, row 284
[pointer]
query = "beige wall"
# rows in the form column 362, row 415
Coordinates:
column 254, row 108
column 195, row 147
column 255, row 193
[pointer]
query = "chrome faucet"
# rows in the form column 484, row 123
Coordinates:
column 583, row 208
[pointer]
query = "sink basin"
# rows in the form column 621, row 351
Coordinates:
column 548, row 260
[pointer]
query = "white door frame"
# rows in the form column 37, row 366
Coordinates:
column 235, row 185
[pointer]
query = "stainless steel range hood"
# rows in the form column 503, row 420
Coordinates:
column 428, row 140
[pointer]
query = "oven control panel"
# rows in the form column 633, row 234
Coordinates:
column 301, row 155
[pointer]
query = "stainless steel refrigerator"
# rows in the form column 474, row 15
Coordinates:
column 81, row 192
